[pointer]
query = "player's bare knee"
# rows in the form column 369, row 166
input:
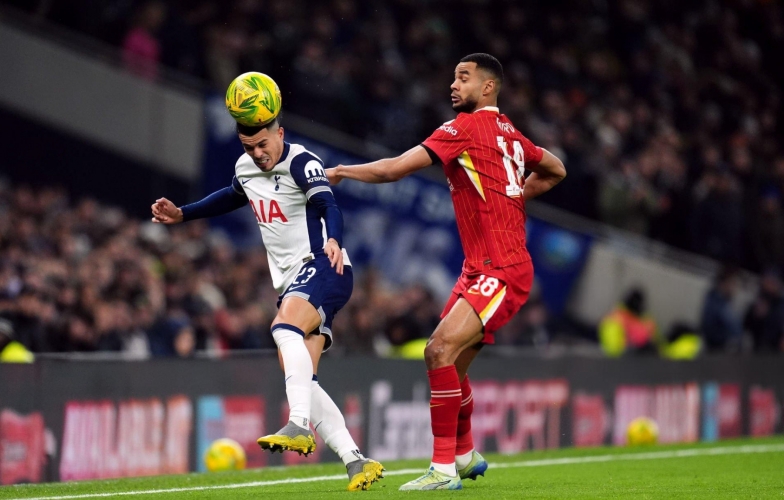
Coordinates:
column 431, row 357
column 438, row 353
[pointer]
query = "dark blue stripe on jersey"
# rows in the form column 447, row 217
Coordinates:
column 315, row 378
column 285, row 154
column 313, row 214
column 218, row 203
column 329, row 211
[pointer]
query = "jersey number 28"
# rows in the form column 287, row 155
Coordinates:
column 486, row 285
column 516, row 172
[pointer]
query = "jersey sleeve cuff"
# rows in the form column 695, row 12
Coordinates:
column 316, row 190
column 432, row 154
column 186, row 212
column 538, row 155
column 236, row 186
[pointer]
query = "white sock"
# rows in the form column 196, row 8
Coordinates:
column 298, row 370
column 331, row 426
column 448, row 469
column 462, row 461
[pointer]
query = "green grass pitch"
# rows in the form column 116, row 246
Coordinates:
column 730, row 469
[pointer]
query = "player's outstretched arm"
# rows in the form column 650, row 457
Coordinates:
column 386, row 170
column 165, row 212
column 546, row 174
column 218, row 203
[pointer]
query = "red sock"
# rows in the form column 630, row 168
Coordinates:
column 445, row 400
column 465, row 441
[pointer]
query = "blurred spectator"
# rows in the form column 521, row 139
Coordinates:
column 141, row 49
column 405, row 338
column 768, row 230
column 411, row 317
column 234, row 333
column 721, row 327
column 628, row 328
column 172, row 337
column 531, row 327
column 765, row 316
column 25, row 313
column 361, row 324
column 683, row 342
column 717, row 217
column 12, row 351
column 627, row 200
column 77, row 335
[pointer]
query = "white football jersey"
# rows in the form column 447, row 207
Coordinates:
column 291, row 228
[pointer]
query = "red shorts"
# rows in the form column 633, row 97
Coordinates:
column 496, row 295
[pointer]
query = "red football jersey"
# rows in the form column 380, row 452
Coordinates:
column 484, row 158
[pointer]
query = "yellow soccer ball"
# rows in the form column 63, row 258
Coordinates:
column 253, row 99
column 642, row 431
column 224, row 454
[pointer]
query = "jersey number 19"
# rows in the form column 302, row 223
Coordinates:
column 516, row 172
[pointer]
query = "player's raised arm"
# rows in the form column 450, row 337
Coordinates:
column 386, row 170
column 220, row 202
column 548, row 172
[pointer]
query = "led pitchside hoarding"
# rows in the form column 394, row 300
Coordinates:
column 74, row 421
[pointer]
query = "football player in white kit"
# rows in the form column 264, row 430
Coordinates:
column 302, row 229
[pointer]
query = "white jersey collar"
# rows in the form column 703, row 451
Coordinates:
column 488, row 108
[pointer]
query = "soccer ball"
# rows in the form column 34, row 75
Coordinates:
column 641, row 431
column 253, row 99
column 224, row 454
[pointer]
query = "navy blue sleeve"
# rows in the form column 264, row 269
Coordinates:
column 329, row 211
column 307, row 170
column 220, row 202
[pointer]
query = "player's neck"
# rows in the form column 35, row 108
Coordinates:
column 486, row 104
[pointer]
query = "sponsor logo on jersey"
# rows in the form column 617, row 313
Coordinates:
column 505, row 127
column 268, row 216
column 315, row 172
column 449, row 129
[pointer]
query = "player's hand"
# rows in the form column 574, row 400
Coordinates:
column 165, row 212
column 335, row 255
column 332, row 175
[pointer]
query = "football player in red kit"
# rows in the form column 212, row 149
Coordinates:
column 484, row 157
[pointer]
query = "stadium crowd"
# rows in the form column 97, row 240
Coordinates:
column 667, row 113
column 86, row 277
